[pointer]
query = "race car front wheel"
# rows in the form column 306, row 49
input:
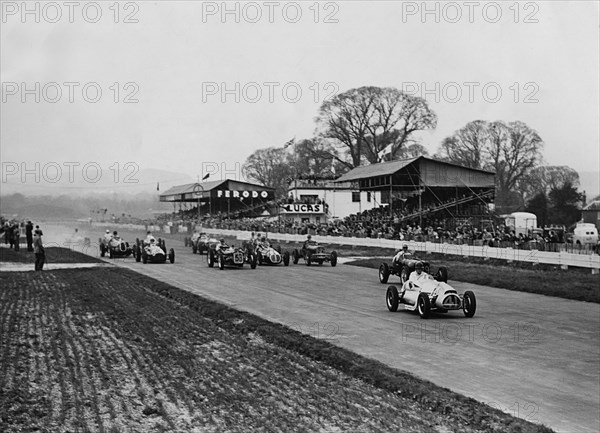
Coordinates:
column 384, row 273
column 392, row 298
column 424, row 306
column 469, row 303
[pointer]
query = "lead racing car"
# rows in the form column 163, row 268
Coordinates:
column 430, row 295
column 153, row 252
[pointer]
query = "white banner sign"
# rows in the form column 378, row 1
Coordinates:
column 302, row 208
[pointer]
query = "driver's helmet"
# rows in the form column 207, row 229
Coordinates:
column 419, row 265
column 108, row 231
column 404, row 247
column 152, row 240
column 115, row 233
column 309, row 237
column 222, row 240
column 263, row 239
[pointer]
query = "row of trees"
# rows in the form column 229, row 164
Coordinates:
column 368, row 125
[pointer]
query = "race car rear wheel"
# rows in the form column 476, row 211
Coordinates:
column 423, row 306
column 144, row 257
column 295, row 257
column 384, row 273
column 442, row 274
column 211, row 259
column 469, row 303
column 194, row 249
column 221, row 261
column 286, row 258
column 102, row 250
column 333, row 258
column 253, row 261
column 110, row 253
column 259, row 258
column 308, row 260
column 138, row 253
column 172, row 255
column 404, row 274
column 392, row 298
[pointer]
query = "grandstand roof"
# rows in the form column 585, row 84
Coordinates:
column 419, row 171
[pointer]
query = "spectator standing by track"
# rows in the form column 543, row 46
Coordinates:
column 38, row 249
column 29, row 235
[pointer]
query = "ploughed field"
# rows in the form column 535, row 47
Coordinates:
column 107, row 350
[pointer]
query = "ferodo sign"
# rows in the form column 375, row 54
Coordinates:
column 303, row 208
column 242, row 194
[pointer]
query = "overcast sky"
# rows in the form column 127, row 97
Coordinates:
column 181, row 58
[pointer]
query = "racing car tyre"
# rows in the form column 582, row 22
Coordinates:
column 404, row 274
column 138, row 254
column 102, row 250
column 194, row 249
column 211, row 259
column 110, row 253
column 333, row 258
column 308, row 261
column 286, row 258
column 442, row 274
column 253, row 260
column 392, row 298
column 384, row 273
column 221, row 261
column 259, row 258
column 423, row 305
column 172, row 255
column 469, row 303
column 144, row 257
column 295, row 257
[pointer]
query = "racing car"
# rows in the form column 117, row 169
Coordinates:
column 430, row 295
column 406, row 266
column 267, row 255
column 115, row 247
column 153, row 252
column 314, row 253
column 199, row 242
column 230, row 256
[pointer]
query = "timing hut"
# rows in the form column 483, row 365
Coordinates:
column 429, row 185
column 223, row 196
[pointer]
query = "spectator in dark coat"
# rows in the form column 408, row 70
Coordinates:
column 29, row 235
column 38, row 249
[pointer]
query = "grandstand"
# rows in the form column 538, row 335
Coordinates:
column 424, row 190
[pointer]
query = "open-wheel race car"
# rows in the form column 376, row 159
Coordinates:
column 200, row 242
column 153, row 252
column 230, row 256
column 405, row 266
column 267, row 255
column 114, row 247
column 312, row 252
column 430, row 295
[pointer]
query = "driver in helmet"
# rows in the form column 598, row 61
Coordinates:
column 222, row 245
column 107, row 237
column 308, row 242
column 418, row 275
column 149, row 238
column 400, row 254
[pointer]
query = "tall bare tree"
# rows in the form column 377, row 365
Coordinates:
column 367, row 121
column 269, row 167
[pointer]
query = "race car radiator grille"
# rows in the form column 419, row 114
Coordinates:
column 451, row 302
column 238, row 258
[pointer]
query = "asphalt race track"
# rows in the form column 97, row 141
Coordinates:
column 533, row 356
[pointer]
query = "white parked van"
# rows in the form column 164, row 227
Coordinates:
column 585, row 234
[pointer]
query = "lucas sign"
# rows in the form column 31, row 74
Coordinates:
column 302, row 208
column 242, row 194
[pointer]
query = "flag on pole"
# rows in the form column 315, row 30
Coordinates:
column 387, row 150
column 157, row 187
column 206, row 176
column 289, row 143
